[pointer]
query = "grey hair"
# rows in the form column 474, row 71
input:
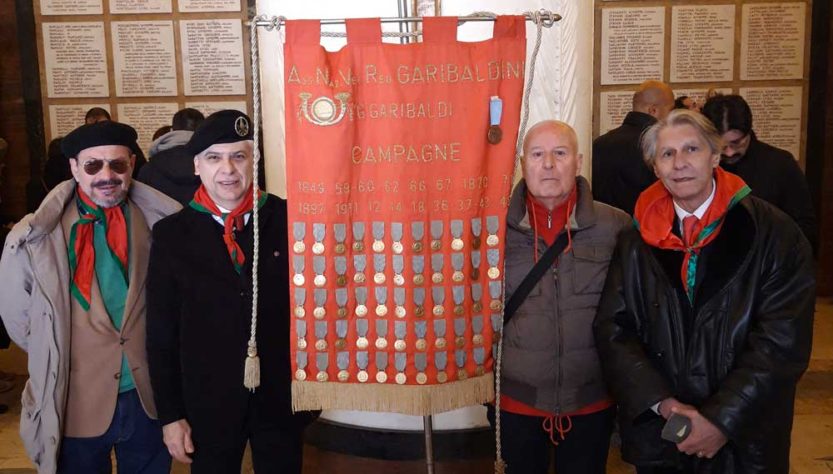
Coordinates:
column 678, row 117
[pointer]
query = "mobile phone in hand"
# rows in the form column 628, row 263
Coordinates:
column 676, row 429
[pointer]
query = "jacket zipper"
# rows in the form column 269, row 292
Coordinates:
column 559, row 374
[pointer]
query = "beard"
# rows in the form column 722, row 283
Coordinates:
column 731, row 159
column 109, row 201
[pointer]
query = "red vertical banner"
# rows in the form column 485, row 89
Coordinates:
column 399, row 166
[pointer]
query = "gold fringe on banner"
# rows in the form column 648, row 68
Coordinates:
column 418, row 400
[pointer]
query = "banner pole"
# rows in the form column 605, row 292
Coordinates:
column 545, row 16
column 428, row 423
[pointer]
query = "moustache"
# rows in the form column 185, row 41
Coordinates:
column 107, row 182
column 736, row 156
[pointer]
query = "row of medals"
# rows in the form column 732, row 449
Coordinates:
column 381, row 310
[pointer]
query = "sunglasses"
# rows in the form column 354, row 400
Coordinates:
column 92, row 167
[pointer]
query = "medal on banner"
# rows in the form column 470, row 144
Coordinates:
column 358, row 237
column 361, row 301
column 340, row 264
column 343, row 362
column 495, row 134
column 399, row 301
column 341, row 302
column 378, row 236
column 359, row 264
column 418, row 264
column 301, row 356
column 300, row 299
column 379, row 268
column 396, row 235
column 298, row 231
column 301, row 332
column 340, row 233
column 381, row 366
column 298, row 267
column 320, row 298
column 318, row 266
column 419, row 302
column 476, row 228
column 341, row 335
column 436, row 236
column 318, row 231
column 417, row 232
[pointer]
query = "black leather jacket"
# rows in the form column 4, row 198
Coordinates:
column 736, row 354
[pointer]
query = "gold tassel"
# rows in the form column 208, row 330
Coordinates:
column 251, row 372
column 500, row 466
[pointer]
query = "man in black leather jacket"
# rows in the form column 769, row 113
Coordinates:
column 710, row 319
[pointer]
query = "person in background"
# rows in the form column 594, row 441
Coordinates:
column 706, row 315
column 158, row 133
column 171, row 169
column 773, row 174
column 619, row 174
column 96, row 114
column 686, row 102
column 554, row 399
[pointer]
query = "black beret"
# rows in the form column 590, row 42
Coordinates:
column 224, row 126
column 97, row 134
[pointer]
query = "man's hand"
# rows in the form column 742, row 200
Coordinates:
column 669, row 404
column 177, row 437
column 705, row 439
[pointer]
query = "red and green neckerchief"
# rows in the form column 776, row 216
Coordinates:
column 654, row 218
column 232, row 221
column 81, row 244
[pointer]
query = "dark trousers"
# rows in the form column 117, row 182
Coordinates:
column 277, row 447
column 136, row 438
column 527, row 447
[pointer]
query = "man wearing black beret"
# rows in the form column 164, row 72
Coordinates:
column 73, row 297
column 200, row 323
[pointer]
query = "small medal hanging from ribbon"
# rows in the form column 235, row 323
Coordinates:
column 495, row 134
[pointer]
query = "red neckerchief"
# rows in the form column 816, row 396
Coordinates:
column 548, row 224
column 654, row 217
column 81, row 247
column 232, row 221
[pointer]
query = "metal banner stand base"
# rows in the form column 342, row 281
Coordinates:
column 428, row 423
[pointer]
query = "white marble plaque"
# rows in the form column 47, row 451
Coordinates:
column 66, row 118
column 702, row 43
column 613, row 106
column 75, row 59
column 140, row 6
column 212, row 57
column 776, row 115
column 633, row 42
column 146, row 118
column 208, row 108
column 772, row 43
column 193, row 6
column 71, row 7
column 144, row 58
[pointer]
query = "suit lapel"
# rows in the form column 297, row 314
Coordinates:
column 139, row 252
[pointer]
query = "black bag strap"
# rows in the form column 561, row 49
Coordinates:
column 534, row 276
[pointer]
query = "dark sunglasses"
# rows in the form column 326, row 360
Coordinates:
column 92, row 167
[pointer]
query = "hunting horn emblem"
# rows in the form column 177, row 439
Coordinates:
column 324, row 110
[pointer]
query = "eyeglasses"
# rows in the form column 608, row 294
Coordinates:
column 737, row 143
column 92, row 167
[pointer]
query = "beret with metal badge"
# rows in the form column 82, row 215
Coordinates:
column 224, row 126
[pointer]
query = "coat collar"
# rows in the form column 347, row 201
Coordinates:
column 582, row 216
column 639, row 119
column 153, row 204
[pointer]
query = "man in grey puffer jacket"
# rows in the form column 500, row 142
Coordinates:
column 553, row 395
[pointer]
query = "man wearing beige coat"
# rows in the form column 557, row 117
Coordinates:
column 73, row 297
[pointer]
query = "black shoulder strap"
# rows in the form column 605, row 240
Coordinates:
column 534, row 276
